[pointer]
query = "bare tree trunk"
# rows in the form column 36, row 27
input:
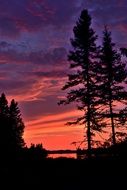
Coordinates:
column 112, row 124
column 88, row 115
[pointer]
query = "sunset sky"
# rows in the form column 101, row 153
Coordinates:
column 34, row 42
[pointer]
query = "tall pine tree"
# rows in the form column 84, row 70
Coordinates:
column 112, row 86
column 82, row 80
column 16, row 126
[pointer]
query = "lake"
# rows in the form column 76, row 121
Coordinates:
column 67, row 155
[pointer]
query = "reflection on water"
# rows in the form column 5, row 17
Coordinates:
column 70, row 155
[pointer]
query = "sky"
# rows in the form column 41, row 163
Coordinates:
column 34, row 43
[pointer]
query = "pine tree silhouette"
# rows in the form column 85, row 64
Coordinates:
column 82, row 81
column 4, row 123
column 11, row 127
column 16, row 126
column 112, row 86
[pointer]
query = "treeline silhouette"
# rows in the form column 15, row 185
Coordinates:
column 12, row 144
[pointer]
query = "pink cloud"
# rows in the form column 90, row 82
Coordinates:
column 41, row 130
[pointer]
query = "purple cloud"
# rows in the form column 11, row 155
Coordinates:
column 32, row 15
column 111, row 13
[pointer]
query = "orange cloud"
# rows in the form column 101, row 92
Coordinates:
column 51, row 129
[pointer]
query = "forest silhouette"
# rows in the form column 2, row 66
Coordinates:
column 97, row 84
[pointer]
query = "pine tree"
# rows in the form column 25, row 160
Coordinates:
column 16, row 126
column 82, row 81
column 3, row 105
column 112, row 86
column 4, row 122
column 11, row 127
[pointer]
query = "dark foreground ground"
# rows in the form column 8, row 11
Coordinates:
column 64, row 174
